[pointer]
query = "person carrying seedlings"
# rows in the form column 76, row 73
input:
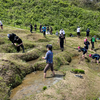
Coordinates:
column 11, row 37
column 31, row 28
column 61, row 39
column 49, row 60
column 35, row 27
column 92, row 42
column 78, row 31
column 86, row 44
column 19, row 42
column 84, row 50
column 87, row 32
column 96, row 57
column 44, row 30
column 1, row 25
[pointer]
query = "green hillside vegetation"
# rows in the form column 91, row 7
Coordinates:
column 56, row 13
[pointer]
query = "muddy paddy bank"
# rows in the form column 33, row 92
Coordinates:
column 14, row 68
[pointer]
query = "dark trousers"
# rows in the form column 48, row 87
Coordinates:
column 62, row 44
column 48, row 66
column 40, row 29
column 18, row 48
column 44, row 33
column 35, row 29
column 92, row 45
column 31, row 30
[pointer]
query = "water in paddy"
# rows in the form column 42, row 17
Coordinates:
column 34, row 83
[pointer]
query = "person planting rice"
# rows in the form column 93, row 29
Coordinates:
column 49, row 60
column 19, row 42
column 84, row 50
column 96, row 57
column 11, row 37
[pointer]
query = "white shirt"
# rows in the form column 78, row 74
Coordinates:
column 0, row 23
column 78, row 29
column 62, row 31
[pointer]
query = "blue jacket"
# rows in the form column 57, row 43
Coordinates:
column 95, row 56
column 83, row 49
column 49, row 57
column 44, row 29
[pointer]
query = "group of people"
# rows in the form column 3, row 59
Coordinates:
column 49, row 55
column 85, row 50
column 16, row 41
column 42, row 29
column 31, row 28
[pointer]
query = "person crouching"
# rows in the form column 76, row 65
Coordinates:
column 96, row 57
column 84, row 50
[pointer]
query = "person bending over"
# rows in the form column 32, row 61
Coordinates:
column 11, row 37
column 19, row 42
column 49, row 60
column 96, row 57
column 82, row 50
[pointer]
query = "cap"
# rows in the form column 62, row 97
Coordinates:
column 8, row 35
column 85, row 40
column 90, row 55
column 79, row 47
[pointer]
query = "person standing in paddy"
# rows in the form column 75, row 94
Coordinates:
column 61, row 39
column 49, row 60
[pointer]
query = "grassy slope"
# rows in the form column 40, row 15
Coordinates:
column 57, row 13
column 13, row 66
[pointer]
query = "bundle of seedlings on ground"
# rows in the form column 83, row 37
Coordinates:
column 77, row 71
column 45, row 87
